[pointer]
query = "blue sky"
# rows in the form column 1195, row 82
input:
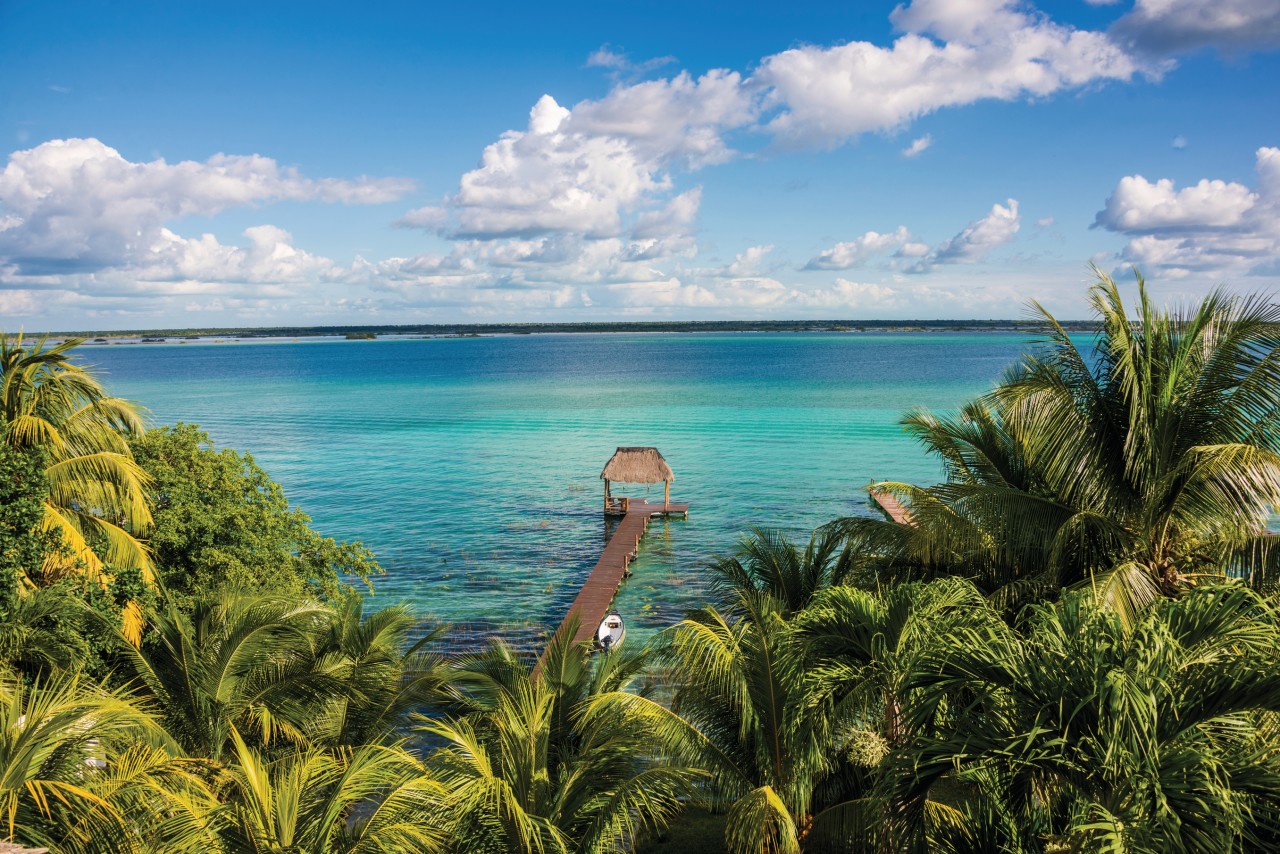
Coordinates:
column 265, row 164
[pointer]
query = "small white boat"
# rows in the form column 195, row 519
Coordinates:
column 611, row 632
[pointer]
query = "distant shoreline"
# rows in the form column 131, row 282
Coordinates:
column 465, row 330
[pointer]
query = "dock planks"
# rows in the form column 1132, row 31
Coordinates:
column 891, row 506
column 596, row 596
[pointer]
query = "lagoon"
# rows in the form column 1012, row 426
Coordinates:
column 470, row 466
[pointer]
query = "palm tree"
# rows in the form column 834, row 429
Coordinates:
column 768, row 564
column 244, row 662
column 283, row 673
column 83, row 769
column 862, row 650
column 1141, row 468
column 97, row 493
column 35, row 635
column 387, row 676
column 542, row 762
column 1082, row 733
column 373, row 798
column 745, row 711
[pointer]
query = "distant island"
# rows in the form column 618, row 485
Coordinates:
column 474, row 329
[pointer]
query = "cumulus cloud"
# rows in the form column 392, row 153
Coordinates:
column 854, row 252
column 594, row 169
column 673, row 219
column 747, row 262
column 1176, row 26
column 601, row 170
column 270, row 257
column 1139, row 206
column 607, row 166
column 849, row 295
column 77, row 205
column 1214, row 227
column 977, row 239
column 951, row 54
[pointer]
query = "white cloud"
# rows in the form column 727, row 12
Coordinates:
column 988, row 49
column 1175, row 26
column 1179, row 142
column 20, row 303
column 549, row 178
column 618, row 63
column 846, row 295
column 77, row 205
column 600, row 169
column 1138, row 206
column 918, row 145
column 1045, row 222
column 554, row 178
column 1218, row 228
column 270, row 257
column 673, row 219
column 747, row 263
column 677, row 121
column 851, row 253
column 977, row 239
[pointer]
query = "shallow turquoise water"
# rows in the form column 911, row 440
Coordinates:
column 471, row 466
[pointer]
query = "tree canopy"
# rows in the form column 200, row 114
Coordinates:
column 221, row 522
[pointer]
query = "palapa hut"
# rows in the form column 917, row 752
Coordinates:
column 635, row 465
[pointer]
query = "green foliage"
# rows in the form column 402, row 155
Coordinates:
column 371, row 799
column 549, row 761
column 83, row 769
column 23, row 545
column 222, row 523
column 1080, row 733
column 96, row 493
column 1139, row 469
column 279, row 673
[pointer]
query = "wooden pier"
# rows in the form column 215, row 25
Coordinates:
column 891, row 506
column 596, row 596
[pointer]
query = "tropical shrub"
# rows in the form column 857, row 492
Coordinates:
column 220, row 522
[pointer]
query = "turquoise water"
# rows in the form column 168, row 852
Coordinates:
column 471, row 466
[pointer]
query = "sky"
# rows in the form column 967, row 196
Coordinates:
column 266, row 164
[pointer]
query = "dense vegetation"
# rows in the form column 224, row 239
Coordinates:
column 1069, row 646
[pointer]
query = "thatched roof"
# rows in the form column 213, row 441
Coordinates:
column 637, row 465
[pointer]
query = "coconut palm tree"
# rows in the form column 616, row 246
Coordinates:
column 387, row 675
column 1079, row 733
column 1139, row 468
column 533, row 761
column 43, row 632
column 374, row 798
column 84, row 769
column 768, row 564
column 794, row 714
column 97, row 494
column 862, row 652
column 245, row 662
